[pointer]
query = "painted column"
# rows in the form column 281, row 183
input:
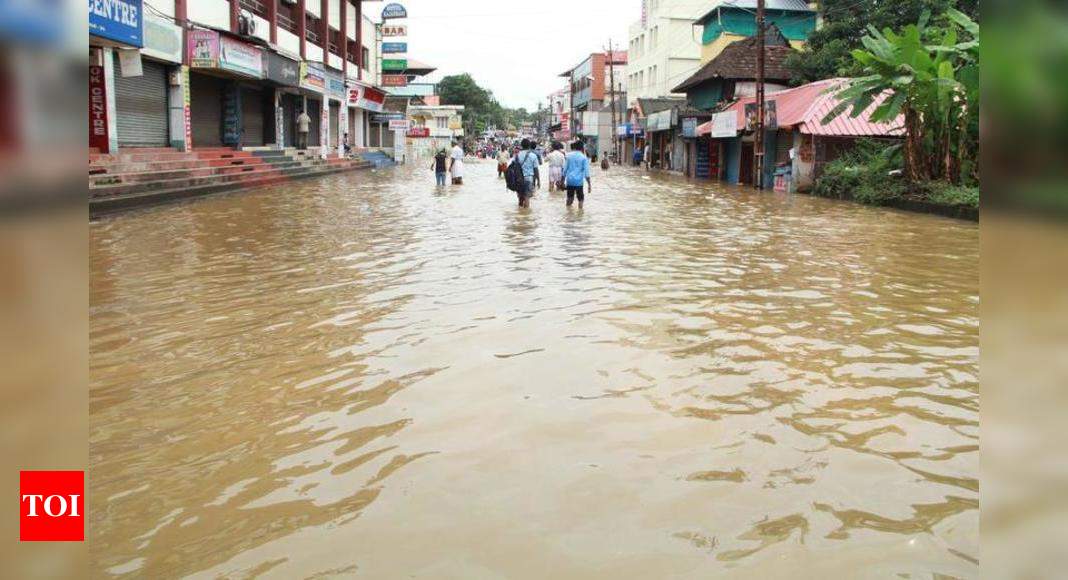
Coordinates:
column 279, row 120
column 359, row 39
column 344, row 28
column 108, row 55
column 178, row 109
column 324, row 125
column 235, row 10
column 302, row 29
column 342, row 127
column 324, row 30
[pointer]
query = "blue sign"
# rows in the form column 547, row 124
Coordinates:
column 118, row 20
column 394, row 10
column 394, row 47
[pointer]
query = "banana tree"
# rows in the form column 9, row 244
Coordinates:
column 933, row 87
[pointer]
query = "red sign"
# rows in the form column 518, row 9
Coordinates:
column 419, row 132
column 51, row 506
column 394, row 80
column 98, row 109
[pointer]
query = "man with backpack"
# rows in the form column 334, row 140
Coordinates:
column 520, row 174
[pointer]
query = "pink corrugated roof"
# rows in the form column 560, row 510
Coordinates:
column 805, row 106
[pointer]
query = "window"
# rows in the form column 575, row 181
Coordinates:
column 366, row 56
column 286, row 16
column 443, row 122
column 311, row 28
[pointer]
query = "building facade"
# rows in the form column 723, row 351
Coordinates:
column 592, row 95
column 663, row 47
column 231, row 73
column 433, row 128
column 727, row 21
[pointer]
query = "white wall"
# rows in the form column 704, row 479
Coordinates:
column 312, row 7
column 313, row 52
column 335, row 14
column 210, row 12
column 288, row 41
column 263, row 28
column 676, row 53
column 164, row 6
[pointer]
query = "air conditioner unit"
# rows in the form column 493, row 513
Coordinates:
column 246, row 24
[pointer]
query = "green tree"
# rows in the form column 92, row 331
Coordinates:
column 930, row 76
column 827, row 50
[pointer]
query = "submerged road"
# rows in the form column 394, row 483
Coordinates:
column 362, row 375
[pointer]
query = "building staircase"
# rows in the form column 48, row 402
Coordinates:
column 141, row 176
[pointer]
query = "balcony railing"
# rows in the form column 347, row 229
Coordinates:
column 256, row 7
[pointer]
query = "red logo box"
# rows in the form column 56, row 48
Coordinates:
column 51, row 506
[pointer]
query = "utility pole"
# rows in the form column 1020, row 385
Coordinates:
column 612, row 85
column 758, row 146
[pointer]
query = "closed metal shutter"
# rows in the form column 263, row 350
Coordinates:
column 251, row 116
column 141, row 106
column 205, row 110
column 335, row 110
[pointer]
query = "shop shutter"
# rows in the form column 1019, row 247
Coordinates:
column 141, row 106
column 205, row 110
column 251, row 116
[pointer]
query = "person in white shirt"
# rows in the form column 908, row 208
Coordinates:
column 456, row 165
column 556, row 166
column 303, row 125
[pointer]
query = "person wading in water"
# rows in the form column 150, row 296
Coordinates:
column 576, row 169
column 439, row 167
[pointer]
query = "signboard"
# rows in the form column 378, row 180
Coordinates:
column 771, row 119
column 394, row 64
column 454, row 122
column 368, row 98
column 399, row 124
column 312, row 76
column 386, row 117
column 118, row 20
column 98, row 109
column 163, row 39
column 335, row 85
column 240, row 57
column 390, row 30
column 202, row 48
column 394, row 10
column 689, row 127
column 394, row 80
column 419, row 132
column 130, row 63
column 186, row 109
column 659, row 121
column 724, row 125
column 394, row 47
column 282, row 70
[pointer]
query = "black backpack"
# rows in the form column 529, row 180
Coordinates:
column 513, row 176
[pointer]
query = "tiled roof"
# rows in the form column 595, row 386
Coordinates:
column 650, row 106
column 738, row 61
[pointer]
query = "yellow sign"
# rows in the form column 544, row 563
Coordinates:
column 454, row 122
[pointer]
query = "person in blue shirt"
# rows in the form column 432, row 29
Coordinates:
column 576, row 169
column 529, row 161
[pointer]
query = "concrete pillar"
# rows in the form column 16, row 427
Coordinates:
column 177, row 103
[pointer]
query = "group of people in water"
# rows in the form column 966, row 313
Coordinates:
column 568, row 172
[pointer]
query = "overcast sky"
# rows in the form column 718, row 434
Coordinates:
column 515, row 48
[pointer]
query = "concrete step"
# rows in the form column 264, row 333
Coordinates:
column 110, row 189
column 106, row 204
column 201, row 170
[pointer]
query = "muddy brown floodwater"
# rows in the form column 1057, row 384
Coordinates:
column 360, row 375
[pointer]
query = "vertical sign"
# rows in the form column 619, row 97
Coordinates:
column 279, row 121
column 188, row 115
column 98, row 109
column 342, row 128
column 324, row 126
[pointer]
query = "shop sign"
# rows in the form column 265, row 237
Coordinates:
column 399, row 124
column 394, row 10
column 659, row 121
column 386, row 117
column 202, row 48
column 312, row 76
column 394, row 80
column 394, row 47
column 98, row 109
column 455, row 123
column 282, row 70
column 130, row 62
column 689, row 127
column 771, row 120
column 394, row 64
column 118, row 20
column 390, row 30
column 163, row 39
column 335, row 85
column 367, row 98
column 186, row 109
column 724, row 125
column 240, row 57
column 419, row 132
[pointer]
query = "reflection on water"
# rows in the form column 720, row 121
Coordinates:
column 359, row 374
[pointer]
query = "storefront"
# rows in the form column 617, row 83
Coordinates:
column 284, row 74
column 226, row 104
column 337, row 97
column 313, row 82
column 363, row 99
column 117, row 25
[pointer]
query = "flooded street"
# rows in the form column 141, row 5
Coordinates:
column 358, row 375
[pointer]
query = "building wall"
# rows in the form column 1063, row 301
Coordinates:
column 665, row 51
column 209, row 12
column 735, row 24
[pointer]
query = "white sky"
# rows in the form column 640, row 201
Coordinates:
column 515, row 48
